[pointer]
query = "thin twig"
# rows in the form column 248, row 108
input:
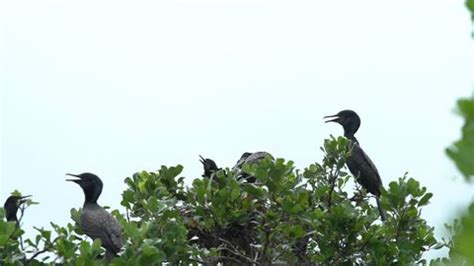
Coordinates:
column 128, row 215
column 332, row 183
column 22, row 212
column 35, row 255
column 265, row 246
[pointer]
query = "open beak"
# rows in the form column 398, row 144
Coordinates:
column 202, row 160
column 23, row 199
column 335, row 118
column 74, row 180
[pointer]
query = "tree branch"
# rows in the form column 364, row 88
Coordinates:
column 265, row 246
column 36, row 255
column 332, row 183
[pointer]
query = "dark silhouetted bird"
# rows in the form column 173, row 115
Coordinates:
column 11, row 207
column 249, row 158
column 359, row 162
column 96, row 222
column 209, row 165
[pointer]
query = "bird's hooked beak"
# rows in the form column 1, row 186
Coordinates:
column 335, row 118
column 78, row 181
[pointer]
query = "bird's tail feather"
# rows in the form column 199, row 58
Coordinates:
column 381, row 211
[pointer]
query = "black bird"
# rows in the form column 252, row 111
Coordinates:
column 209, row 165
column 96, row 222
column 359, row 163
column 11, row 207
column 249, row 158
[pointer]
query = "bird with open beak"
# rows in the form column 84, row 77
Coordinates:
column 209, row 166
column 359, row 163
column 11, row 207
column 95, row 221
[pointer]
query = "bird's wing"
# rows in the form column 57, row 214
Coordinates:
column 249, row 158
column 98, row 223
column 364, row 169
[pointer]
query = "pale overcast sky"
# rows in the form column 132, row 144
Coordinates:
column 115, row 87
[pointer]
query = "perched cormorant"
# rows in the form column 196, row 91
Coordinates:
column 359, row 162
column 11, row 207
column 209, row 165
column 249, row 158
column 96, row 222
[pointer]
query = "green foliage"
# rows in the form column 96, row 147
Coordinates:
column 286, row 217
column 460, row 246
column 10, row 253
column 462, row 151
column 157, row 231
column 461, row 250
column 67, row 246
column 470, row 7
column 11, row 236
column 464, row 237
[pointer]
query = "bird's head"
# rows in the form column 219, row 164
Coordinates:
column 12, row 204
column 90, row 183
column 209, row 166
column 348, row 119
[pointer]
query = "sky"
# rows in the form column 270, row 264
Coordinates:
column 116, row 87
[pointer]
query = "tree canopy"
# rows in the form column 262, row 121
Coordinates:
column 288, row 216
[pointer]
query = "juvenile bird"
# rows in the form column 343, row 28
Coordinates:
column 359, row 163
column 11, row 207
column 209, row 165
column 249, row 158
column 95, row 221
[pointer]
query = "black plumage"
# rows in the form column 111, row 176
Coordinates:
column 95, row 221
column 249, row 158
column 11, row 207
column 209, row 165
column 359, row 162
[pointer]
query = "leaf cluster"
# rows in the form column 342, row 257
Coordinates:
column 286, row 216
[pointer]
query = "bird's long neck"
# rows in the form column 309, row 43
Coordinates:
column 351, row 137
column 350, row 129
column 92, row 195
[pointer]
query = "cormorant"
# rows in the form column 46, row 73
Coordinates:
column 249, row 158
column 209, row 165
column 11, row 207
column 96, row 222
column 359, row 163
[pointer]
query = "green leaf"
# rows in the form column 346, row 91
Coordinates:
column 425, row 199
column 462, row 151
column 470, row 7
